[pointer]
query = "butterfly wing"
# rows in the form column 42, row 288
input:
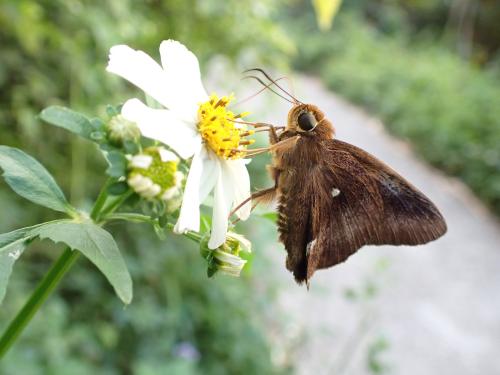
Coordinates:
column 348, row 200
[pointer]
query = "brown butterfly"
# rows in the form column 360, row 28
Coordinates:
column 333, row 198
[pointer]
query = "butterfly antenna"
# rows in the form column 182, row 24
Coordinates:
column 258, row 92
column 267, row 86
column 274, row 82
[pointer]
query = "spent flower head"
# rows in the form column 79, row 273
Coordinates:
column 193, row 124
column 226, row 258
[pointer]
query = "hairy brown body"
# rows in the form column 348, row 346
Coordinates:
column 334, row 198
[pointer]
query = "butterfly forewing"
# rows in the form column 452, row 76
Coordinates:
column 340, row 198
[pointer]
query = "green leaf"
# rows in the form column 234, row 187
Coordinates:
column 98, row 136
column 112, row 110
column 67, row 119
column 98, row 246
column 98, row 124
column 7, row 239
column 163, row 220
column 118, row 188
column 131, row 147
column 8, row 257
column 12, row 245
column 117, row 164
column 273, row 216
column 28, row 178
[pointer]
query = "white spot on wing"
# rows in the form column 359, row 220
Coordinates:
column 310, row 246
column 335, row 192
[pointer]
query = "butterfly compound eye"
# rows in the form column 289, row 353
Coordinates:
column 307, row 121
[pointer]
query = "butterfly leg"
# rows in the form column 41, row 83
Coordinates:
column 264, row 127
column 287, row 142
column 273, row 132
column 238, row 219
column 261, row 196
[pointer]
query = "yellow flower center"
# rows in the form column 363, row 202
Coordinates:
column 220, row 130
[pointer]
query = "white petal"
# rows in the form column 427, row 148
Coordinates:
column 141, row 161
column 222, row 205
column 164, row 126
column 230, row 259
column 179, row 176
column 153, row 191
column 211, row 170
column 135, row 181
column 240, row 183
column 143, row 185
column 169, row 193
column 230, row 270
column 166, row 155
column 246, row 245
column 141, row 70
column 200, row 181
column 183, row 73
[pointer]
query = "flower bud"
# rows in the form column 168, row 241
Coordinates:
column 153, row 174
column 226, row 258
column 121, row 130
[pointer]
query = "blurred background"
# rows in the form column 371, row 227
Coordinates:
column 415, row 82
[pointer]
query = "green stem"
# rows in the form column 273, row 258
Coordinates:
column 136, row 218
column 44, row 289
column 101, row 199
column 115, row 204
column 139, row 218
column 191, row 235
column 48, row 283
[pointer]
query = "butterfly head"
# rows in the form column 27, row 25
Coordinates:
column 308, row 119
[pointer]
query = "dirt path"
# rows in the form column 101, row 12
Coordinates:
column 437, row 306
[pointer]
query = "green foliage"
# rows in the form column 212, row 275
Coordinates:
column 98, row 246
column 117, row 164
column 91, row 240
column 28, row 178
column 67, row 119
column 7, row 260
column 446, row 107
column 118, row 188
column 470, row 28
column 12, row 245
column 374, row 363
column 61, row 60
column 178, row 319
column 11, row 248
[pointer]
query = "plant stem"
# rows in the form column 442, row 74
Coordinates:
column 139, row 218
column 101, row 200
column 115, row 204
column 133, row 217
column 44, row 289
column 191, row 235
column 48, row 283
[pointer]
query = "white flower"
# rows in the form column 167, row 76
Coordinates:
column 194, row 124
